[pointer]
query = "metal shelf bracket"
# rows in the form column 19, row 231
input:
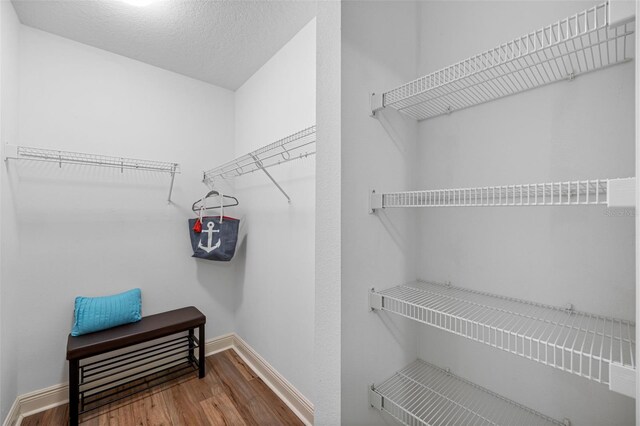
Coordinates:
column 375, row 201
column 375, row 300
column 173, row 178
column 375, row 399
column 261, row 167
column 622, row 379
column 622, row 193
column 377, row 103
column 10, row 152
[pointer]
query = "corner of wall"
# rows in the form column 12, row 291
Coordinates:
column 378, row 250
column 637, row 215
column 278, row 100
column 327, row 353
column 9, row 33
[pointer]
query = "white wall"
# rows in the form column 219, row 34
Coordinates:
column 582, row 129
column 275, row 283
column 637, row 280
column 94, row 231
column 378, row 52
column 9, row 27
column 327, row 348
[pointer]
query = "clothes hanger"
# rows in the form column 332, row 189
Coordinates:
column 197, row 208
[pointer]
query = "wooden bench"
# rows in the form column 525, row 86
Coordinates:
column 94, row 383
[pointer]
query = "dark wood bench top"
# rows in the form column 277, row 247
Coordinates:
column 148, row 328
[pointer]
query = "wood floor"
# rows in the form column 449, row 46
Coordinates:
column 230, row 394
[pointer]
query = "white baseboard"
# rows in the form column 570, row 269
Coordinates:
column 44, row 399
column 13, row 415
column 291, row 396
column 35, row 402
column 219, row 344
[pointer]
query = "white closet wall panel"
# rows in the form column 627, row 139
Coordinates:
column 553, row 255
column 95, row 231
column 327, row 345
column 275, row 281
column 9, row 339
column 378, row 49
column 637, row 219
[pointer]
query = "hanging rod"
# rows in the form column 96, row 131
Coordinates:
column 611, row 192
column 293, row 147
column 587, row 41
column 16, row 152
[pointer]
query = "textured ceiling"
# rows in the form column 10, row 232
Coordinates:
column 220, row 42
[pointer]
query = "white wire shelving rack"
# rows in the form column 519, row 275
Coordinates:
column 584, row 42
column 610, row 192
column 576, row 342
column 293, row 147
column 423, row 394
column 16, row 152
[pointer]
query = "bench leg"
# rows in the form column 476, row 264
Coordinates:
column 201, row 360
column 74, row 391
column 191, row 352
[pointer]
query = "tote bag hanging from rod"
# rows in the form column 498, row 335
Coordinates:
column 214, row 237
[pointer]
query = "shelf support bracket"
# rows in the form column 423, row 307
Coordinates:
column 173, row 177
column 377, row 104
column 375, row 300
column 621, row 193
column 10, row 152
column 259, row 164
column 375, row 399
column 622, row 379
column 375, row 201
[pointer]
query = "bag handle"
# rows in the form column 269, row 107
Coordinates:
column 202, row 207
column 221, row 206
column 201, row 214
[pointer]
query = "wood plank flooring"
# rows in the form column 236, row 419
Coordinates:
column 230, row 394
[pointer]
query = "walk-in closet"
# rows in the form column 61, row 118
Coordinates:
column 298, row 212
column 121, row 120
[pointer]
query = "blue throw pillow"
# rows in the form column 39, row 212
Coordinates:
column 99, row 313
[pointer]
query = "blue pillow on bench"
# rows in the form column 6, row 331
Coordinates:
column 99, row 313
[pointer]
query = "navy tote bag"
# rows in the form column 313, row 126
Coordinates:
column 217, row 240
column 214, row 237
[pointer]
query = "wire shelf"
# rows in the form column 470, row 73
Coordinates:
column 293, row 147
column 572, row 341
column 423, row 394
column 581, row 192
column 70, row 157
column 575, row 45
